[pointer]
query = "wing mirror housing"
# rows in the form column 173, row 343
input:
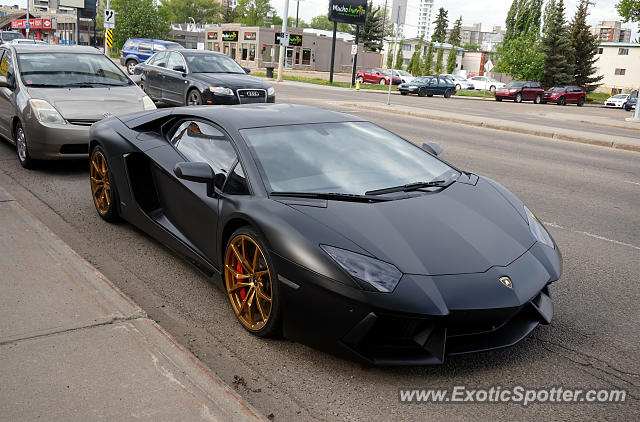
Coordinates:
column 246, row 70
column 180, row 68
column 197, row 172
column 432, row 148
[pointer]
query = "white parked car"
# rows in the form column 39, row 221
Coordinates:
column 616, row 101
column 404, row 75
column 459, row 81
column 484, row 83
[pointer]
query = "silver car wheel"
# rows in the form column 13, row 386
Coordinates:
column 21, row 143
column 131, row 67
column 194, row 98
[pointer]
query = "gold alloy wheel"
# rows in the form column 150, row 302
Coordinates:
column 100, row 184
column 248, row 282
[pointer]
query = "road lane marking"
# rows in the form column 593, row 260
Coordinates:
column 633, row 183
column 595, row 236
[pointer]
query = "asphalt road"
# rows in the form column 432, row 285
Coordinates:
column 589, row 195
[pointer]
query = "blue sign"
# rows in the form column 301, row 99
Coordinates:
column 27, row 26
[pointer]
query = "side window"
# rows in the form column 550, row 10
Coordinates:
column 144, row 47
column 160, row 59
column 129, row 45
column 237, row 182
column 6, row 66
column 174, row 60
column 201, row 142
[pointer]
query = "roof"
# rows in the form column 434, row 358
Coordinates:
column 42, row 48
column 619, row 44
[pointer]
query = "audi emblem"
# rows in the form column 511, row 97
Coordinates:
column 252, row 93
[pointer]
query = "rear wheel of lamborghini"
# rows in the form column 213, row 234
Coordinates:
column 103, row 189
column 251, row 283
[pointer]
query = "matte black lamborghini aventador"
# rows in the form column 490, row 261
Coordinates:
column 331, row 230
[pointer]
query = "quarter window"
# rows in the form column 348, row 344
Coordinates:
column 237, row 183
column 144, row 47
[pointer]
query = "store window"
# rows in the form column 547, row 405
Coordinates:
column 267, row 52
column 245, row 51
column 306, row 56
column 252, row 52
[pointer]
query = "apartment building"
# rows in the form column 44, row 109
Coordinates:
column 611, row 31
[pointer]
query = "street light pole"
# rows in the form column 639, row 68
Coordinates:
column 27, row 25
column 284, row 35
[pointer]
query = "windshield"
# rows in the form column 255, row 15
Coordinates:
column 515, row 84
column 557, row 88
column 8, row 36
column 422, row 80
column 211, row 63
column 348, row 158
column 621, row 96
column 69, row 69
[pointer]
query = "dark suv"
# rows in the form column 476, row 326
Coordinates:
column 520, row 91
column 8, row 36
column 138, row 50
column 632, row 101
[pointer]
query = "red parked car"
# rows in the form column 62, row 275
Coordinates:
column 377, row 75
column 520, row 91
column 564, row 95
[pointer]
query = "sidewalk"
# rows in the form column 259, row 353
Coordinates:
column 75, row 348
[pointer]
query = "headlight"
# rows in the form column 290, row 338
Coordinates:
column 537, row 229
column 271, row 91
column 382, row 276
column 219, row 90
column 45, row 112
column 147, row 103
column 413, row 87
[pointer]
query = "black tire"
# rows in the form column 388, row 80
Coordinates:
column 403, row 93
column 447, row 93
column 109, row 213
column 194, row 97
column 562, row 101
column 429, row 95
column 130, row 64
column 422, row 92
column 273, row 327
column 498, row 99
column 581, row 102
column 518, row 98
column 538, row 99
column 22, row 147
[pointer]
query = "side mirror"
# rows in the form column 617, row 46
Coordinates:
column 3, row 82
column 196, row 172
column 180, row 68
column 432, row 148
column 246, row 70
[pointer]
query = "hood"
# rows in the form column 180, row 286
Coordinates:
column 91, row 103
column 231, row 80
column 462, row 229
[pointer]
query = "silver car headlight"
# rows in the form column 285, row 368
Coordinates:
column 46, row 113
column 271, row 91
column 147, row 103
column 220, row 90
column 382, row 276
column 537, row 229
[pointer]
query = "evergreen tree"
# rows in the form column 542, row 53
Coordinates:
column 441, row 24
column 452, row 60
column 390, row 57
column 454, row 40
column 415, row 64
column 585, row 46
column 439, row 58
column 371, row 32
column 558, row 70
column 549, row 10
column 399, row 56
column 428, row 61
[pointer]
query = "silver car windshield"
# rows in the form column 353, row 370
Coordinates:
column 347, row 158
column 69, row 69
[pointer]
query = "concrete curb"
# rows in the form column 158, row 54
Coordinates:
column 616, row 142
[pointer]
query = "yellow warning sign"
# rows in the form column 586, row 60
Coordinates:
column 109, row 38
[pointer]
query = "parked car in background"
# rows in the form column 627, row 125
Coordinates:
column 520, row 91
column 376, row 75
column 8, row 36
column 616, row 101
column 429, row 86
column 194, row 77
column 632, row 102
column 564, row 95
column 20, row 41
column 459, row 82
column 50, row 95
column 485, row 83
column 405, row 76
column 138, row 50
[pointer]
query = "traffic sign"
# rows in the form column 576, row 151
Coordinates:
column 109, row 38
column 354, row 49
column 109, row 19
column 488, row 66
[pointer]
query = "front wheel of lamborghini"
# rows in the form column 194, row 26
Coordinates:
column 251, row 283
column 103, row 189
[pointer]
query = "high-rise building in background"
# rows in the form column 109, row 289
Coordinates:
column 611, row 31
column 418, row 19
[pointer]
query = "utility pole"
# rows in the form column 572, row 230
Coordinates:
column 284, row 37
column 297, row 11
column 27, row 25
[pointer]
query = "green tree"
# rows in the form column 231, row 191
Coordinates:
column 629, row 10
column 585, row 47
column 399, row 56
column 439, row 60
column 556, row 44
column 390, row 57
column 452, row 60
column 549, row 11
column 427, row 65
column 441, row 24
column 471, row 46
column 323, row 22
column 371, row 32
column 522, row 58
column 454, row 36
column 252, row 12
column 138, row 19
column 415, row 64
column 202, row 11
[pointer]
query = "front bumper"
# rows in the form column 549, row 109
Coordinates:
column 426, row 317
column 505, row 95
column 209, row 98
column 57, row 142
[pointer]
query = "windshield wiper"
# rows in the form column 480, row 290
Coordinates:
column 332, row 196
column 439, row 183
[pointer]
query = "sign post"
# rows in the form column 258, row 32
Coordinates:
column 354, row 56
column 353, row 12
column 284, row 36
column 398, row 15
column 487, row 68
column 109, row 22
